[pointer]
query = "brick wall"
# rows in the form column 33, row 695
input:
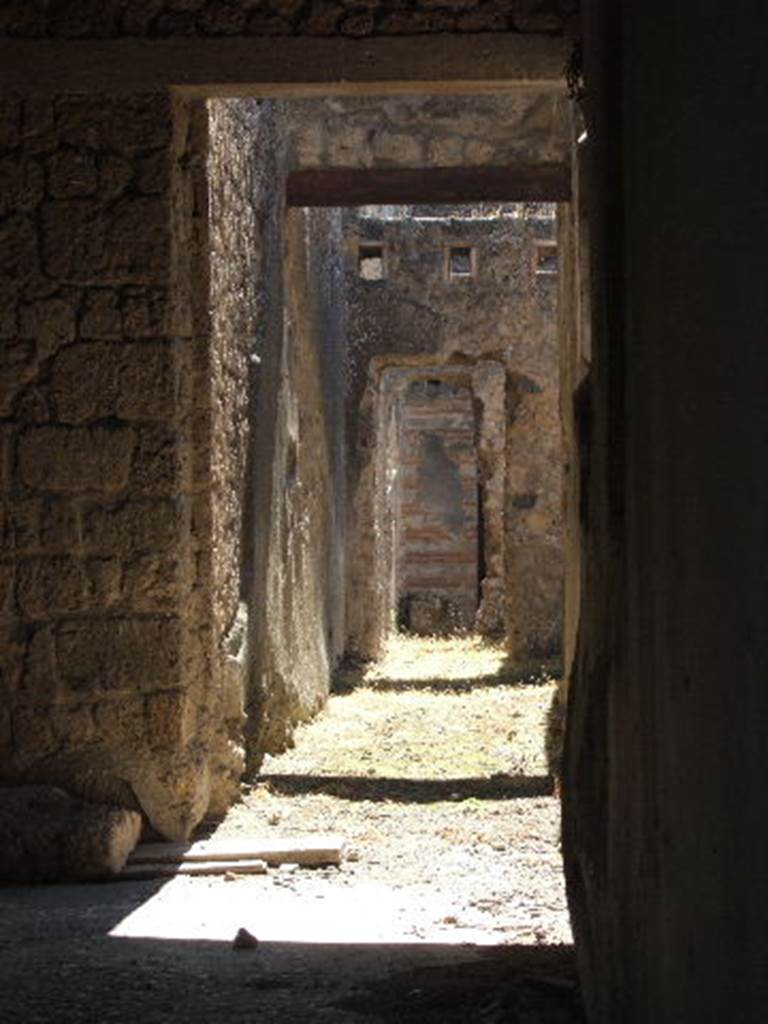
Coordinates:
column 437, row 542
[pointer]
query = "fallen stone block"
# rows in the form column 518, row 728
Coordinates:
column 49, row 836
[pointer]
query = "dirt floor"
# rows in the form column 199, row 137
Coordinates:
column 449, row 905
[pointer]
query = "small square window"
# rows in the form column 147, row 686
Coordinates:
column 545, row 258
column 370, row 262
column 460, row 261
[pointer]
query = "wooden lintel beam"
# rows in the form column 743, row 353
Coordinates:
column 353, row 187
column 285, row 66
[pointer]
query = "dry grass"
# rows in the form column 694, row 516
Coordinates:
column 433, row 769
column 431, row 709
column 429, row 659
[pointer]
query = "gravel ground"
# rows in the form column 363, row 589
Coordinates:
column 448, row 909
column 435, row 774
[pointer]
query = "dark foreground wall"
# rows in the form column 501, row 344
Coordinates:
column 665, row 825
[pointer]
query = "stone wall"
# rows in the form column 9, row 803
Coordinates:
column 84, row 19
column 431, row 131
column 298, row 587
column 99, row 656
column 503, row 316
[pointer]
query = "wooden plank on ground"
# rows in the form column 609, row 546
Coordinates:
column 163, row 869
column 309, row 851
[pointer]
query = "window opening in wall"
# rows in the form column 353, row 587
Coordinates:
column 460, row 261
column 545, row 261
column 370, row 262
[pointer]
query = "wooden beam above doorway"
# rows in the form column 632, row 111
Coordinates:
column 433, row 185
column 287, row 66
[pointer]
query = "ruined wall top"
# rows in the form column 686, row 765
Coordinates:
column 109, row 19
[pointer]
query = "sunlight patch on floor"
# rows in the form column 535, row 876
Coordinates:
column 420, row 658
column 366, row 912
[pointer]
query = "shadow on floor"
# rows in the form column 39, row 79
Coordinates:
column 350, row 677
column 62, row 966
column 353, row 787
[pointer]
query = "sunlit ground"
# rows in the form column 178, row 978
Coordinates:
column 442, row 796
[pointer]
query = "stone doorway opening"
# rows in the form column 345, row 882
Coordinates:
column 401, row 436
column 429, row 419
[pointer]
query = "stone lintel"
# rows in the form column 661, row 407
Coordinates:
column 286, row 66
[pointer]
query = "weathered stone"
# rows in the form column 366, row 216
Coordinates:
column 38, row 129
column 268, row 25
column 536, row 16
column 493, row 16
column 7, row 436
column 32, row 730
column 10, row 121
column 478, row 152
column 85, row 18
column 9, row 293
column 446, row 152
column 359, row 24
column 39, row 680
column 74, row 240
column 130, row 655
column 175, row 797
column 32, row 407
column 138, row 241
column 141, row 122
column 322, row 18
column 222, row 18
column 73, row 725
column 115, row 174
column 83, row 122
column 170, row 718
column 59, row 523
column 145, row 526
column 73, row 173
column 152, row 584
column 76, row 459
column 153, row 172
column 84, row 382
column 390, row 147
column 20, row 525
column 18, row 247
column 48, row 836
column 13, row 650
column 51, row 322
column 138, row 16
column 101, row 316
column 22, row 184
column 13, row 378
column 143, row 311
column 146, row 382
column 7, row 579
column 161, row 463
column 406, row 22
column 51, row 587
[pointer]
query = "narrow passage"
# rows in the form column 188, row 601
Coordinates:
column 432, row 766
